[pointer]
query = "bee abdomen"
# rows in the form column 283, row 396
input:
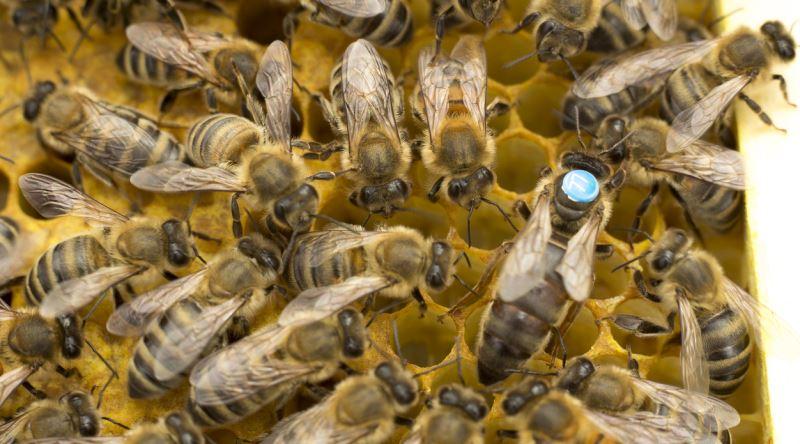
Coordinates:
column 728, row 348
column 685, row 87
column 613, row 33
column 392, row 28
column 716, row 206
column 160, row 341
column 339, row 267
column 221, row 414
column 146, row 69
column 591, row 112
column 221, row 138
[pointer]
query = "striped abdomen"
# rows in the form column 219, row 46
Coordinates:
column 143, row 68
column 9, row 233
column 591, row 112
column 715, row 206
column 160, row 340
column 512, row 332
column 728, row 347
column 220, row 138
column 301, row 275
column 392, row 28
column 685, row 87
column 72, row 258
column 457, row 17
column 613, row 33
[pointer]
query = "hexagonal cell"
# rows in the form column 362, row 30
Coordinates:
column 581, row 335
column 262, row 22
column 318, row 128
column 519, row 162
column 607, row 283
column 488, row 227
column 423, row 341
column 628, row 201
column 52, row 167
column 646, row 310
column 506, row 48
column 536, row 106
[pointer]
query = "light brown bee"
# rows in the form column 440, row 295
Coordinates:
column 454, row 417
column 704, row 77
column 71, row 416
column 362, row 409
column 548, row 273
column 271, row 364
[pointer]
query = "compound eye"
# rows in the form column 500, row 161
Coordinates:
column 281, row 209
column 514, row 403
column 177, row 256
column 485, row 175
column 448, row 396
column 475, row 410
column 384, row 371
column 30, row 109
column 435, row 280
column 680, row 237
column 46, row 87
column 617, row 124
column 547, row 27
column 456, row 188
column 403, row 393
column 663, row 261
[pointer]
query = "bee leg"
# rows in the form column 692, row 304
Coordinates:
column 498, row 107
column 236, row 218
column 782, row 84
column 441, row 21
column 423, row 306
column 68, row 373
column 524, row 23
column 432, row 193
column 641, row 328
column 172, row 14
column 640, row 212
column 506, row 433
column 641, row 287
column 211, row 100
column 561, row 345
column 603, row 251
column 687, row 215
column 317, row 151
column 756, row 108
column 290, row 22
column 633, row 364
column 403, row 422
column 73, row 17
column 38, row 394
column 522, row 209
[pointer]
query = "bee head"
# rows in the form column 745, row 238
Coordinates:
column 352, row 324
column 179, row 244
column 662, row 255
column 182, row 428
column 468, row 191
column 32, row 17
column 440, row 271
column 779, row 38
column 556, row 41
column 32, row 105
column 81, row 404
column 228, row 61
column 473, row 406
column 609, row 139
column 294, row 210
column 485, row 11
column 520, row 396
column 384, row 199
column 264, row 252
column 398, row 382
column 575, row 373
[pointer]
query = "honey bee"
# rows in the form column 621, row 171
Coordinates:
column 76, row 271
column 71, row 416
column 539, row 412
column 452, row 102
column 707, row 179
column 16, row 251
column 703, row 77
column 175, row 427
column 719, row 320
column 269, row 365
column 454, row 417
column 447, row 13
column 565, row 28
column 548, row 273
column 253, row 160
column 366, row 108
column 105, row 139
column 212, row 59
column 361, row 409
column 338, row 266
column 386, row 23
column 38, row 18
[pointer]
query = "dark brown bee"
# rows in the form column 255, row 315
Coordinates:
column 454, row 417
column 549, row 271
column 71, row 416
column 175, row 427
column 449, row 13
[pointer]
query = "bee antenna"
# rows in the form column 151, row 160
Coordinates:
column 570, row 119
column 336, row 222
column 116, row 423
column 7, row 159
column 56, row 39
column 520, row 59
column 524, row 371
column 384, row 310
column 366, row 220
column 469, row 226
column 379, row 349
column 616, row 145
column 717, row 20
column 111, row 377
column 460, row 280
column 25, row 64
column 578, row 129
column 502, row 212
column 10, row 108
column 628, row 262
column 83, row 35
column 287, row 252
column 569, row 65
column 396, row 339
column 633, row 230
column 466, row 258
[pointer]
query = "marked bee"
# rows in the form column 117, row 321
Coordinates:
column 214, row 60
column 366, row 107
column 184, row 319
column 383, row 22
column 253, row 160
column 706, row 179
column 338, row 266
column 719, row 320
column 108, row 140
column 454, row 417
column 76, row 271
column 702, row 78
column 361, row 409
column 459, row 147
column 565, row 28
column 71, row 416
column 271, row 364
column 548, row 273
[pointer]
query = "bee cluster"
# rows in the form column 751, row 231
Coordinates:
column 378, row 221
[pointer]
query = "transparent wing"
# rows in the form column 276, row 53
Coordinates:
column 274, row 81
column 682, row 400
column 6, row 312
column 694, row 368
column 73, row 294
column 661, row 16
column 611, row 76
column 357, row 8
column 53, row 198
column 524, row 267
column 11, row 379
column 178, row 177
column 434, row 81
column 316, row 425
column 644, row 427
column 709, row 162
column 576, row 267
column 166, row 43
column 690, row 124
column 631, row 11
column 471, row 56
column 183, row 348
column 327, row 244
column 133, row 317
column 11, row 428
column 367, row 91
column 770, row 331
column 413, row 437
column 319, row 303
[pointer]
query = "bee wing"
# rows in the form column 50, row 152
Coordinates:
column 367, row 91
column 166, row 43
column 53, row 198
column 356, row 8
column 274, row 81
column 708, row 162
column 178, row 177
column 11, row 428
column 611, row 76
column 576, row 266
column 682, row 400
column 316, row 425
column 661, row 16
column 471, row 55
column 320, row 302
column 632, row 12
column 690, row 124
column 434, row 81
column 770, row 331
column 524, row 267
column 694, row 368
column 73, row 294
column 183, row 347
column 11, row 379
column 7, row 313
column 646, row 427
column 133, row 317
column 326, row 244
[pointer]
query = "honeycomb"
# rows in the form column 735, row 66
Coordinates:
column 528, row 138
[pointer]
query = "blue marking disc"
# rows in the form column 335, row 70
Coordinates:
column 580, row 186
